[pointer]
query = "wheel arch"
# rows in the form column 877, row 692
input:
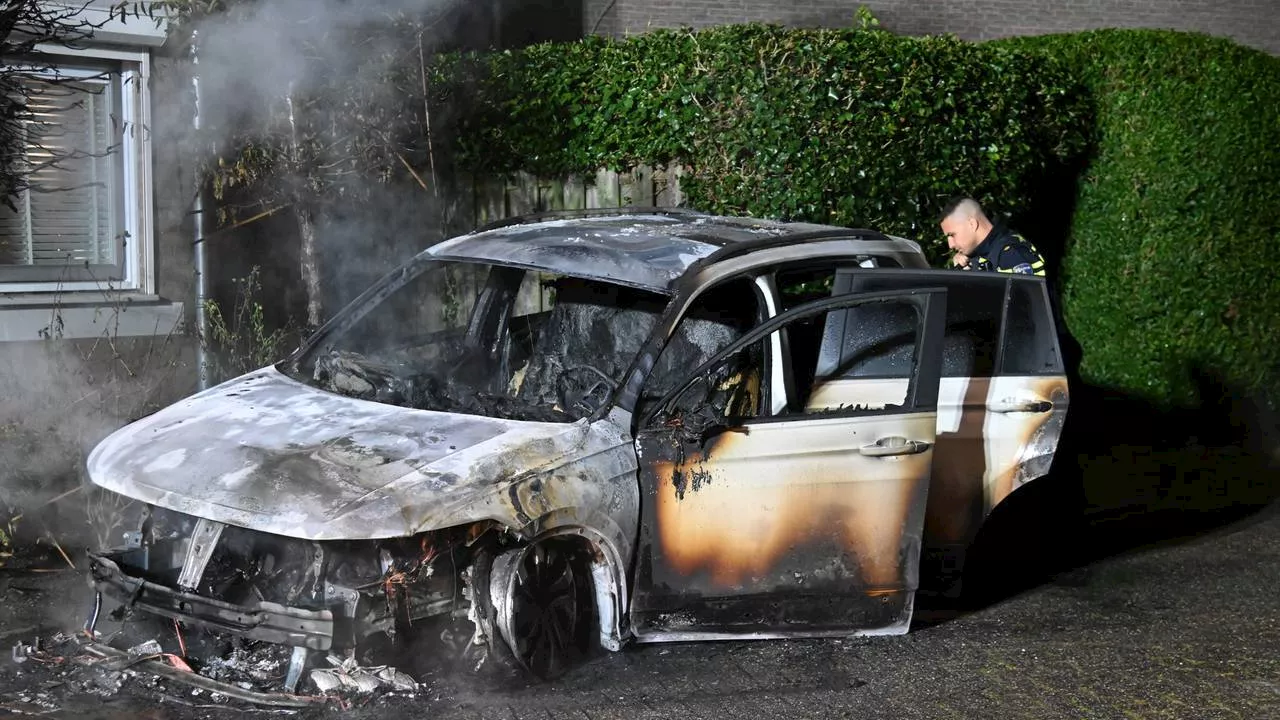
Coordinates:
column 606, row 567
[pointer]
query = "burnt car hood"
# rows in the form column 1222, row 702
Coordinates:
column 269, row 453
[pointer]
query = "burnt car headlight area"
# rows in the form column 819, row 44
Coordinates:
column 328, row 596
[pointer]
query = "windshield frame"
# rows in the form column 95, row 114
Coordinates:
column 369, row 300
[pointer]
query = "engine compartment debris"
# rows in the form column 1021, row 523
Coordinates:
column 347, row 674
column 244, row 675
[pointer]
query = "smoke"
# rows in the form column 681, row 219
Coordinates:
column 330, row 95
column 353, row 71
column 257, row 54
column 61, row 398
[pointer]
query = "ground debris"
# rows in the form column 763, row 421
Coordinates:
column 22, row 652
column 39, row 650
column 29, row 703
column 149, row 648
column 348, row 675
column 244, row 667
column 219, row 704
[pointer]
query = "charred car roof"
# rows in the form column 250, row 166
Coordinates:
column 647, row 248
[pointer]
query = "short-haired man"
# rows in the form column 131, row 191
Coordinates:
column 982, row 245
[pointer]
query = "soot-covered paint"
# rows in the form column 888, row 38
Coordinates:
column 272, row 454
column 782, row 527
column 641, row 250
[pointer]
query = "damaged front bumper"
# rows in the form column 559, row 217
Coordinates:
column 265, row 621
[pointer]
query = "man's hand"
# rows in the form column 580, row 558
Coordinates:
column 960, row 260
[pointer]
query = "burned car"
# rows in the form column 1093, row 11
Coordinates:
column 598, row 428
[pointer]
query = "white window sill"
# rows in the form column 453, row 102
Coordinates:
column 72, row 318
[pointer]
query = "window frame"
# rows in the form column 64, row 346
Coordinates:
column 916, row 399
column 136, row 203
column 907, row 278
column 1040, row 310
column 669, row 324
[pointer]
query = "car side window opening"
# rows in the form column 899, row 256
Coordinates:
column 972, row 340
column 874, row 341
column 731, row 391
column 974, row 307
column 1030, row 346
column 716, row 318
column 802, row 340
column 728, row 393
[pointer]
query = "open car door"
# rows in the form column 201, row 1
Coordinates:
column 802, row 522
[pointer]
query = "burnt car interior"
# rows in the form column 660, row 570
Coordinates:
column 716, row 319
column 573, row 355
column 519, row 344
column 488, row 340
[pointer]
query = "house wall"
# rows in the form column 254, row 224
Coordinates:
column 76, row 366
column 1251, row 22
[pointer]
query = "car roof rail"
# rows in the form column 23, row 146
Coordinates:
column 530, row 218
column 742, row 248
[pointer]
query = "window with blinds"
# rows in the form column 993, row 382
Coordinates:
column 69, row 223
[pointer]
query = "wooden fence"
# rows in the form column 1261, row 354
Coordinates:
column 499, row 198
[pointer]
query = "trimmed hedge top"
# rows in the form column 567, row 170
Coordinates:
column 851, row 127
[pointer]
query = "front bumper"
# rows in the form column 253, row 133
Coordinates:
column 265, row 621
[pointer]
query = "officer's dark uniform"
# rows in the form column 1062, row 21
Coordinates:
column 1008, row 252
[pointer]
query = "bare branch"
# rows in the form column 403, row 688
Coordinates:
column 30, row 32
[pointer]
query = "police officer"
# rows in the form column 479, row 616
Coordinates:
column 982, row 245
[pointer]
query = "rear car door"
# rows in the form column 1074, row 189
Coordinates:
column 1027, row 404
column 1002, row 398
column 762, row 518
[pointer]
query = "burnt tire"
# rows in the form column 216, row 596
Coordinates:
column 544, row 608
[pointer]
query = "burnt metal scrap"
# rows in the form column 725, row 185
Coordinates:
column 572, row 434
column 110, row 656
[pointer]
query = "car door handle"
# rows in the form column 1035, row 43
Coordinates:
column 1021, row 406
column 891, row 446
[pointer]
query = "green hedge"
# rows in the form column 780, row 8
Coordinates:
column 1174, row 255
column 1149, row 161
column 852, row 127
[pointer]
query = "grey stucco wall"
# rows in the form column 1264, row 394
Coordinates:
column 59, row 396
column 1251, row 22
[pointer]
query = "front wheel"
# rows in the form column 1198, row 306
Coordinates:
column 544, row 608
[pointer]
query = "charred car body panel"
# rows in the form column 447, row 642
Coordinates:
column 269, row 453
column 788, row 522
column 650, row 250
column 681, row 412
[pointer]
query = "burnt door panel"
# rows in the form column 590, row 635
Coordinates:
column 802, row 523
column 784, row 526
column 1027, row 405
column 965, row 465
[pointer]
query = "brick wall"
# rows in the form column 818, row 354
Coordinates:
column 1252, row 22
